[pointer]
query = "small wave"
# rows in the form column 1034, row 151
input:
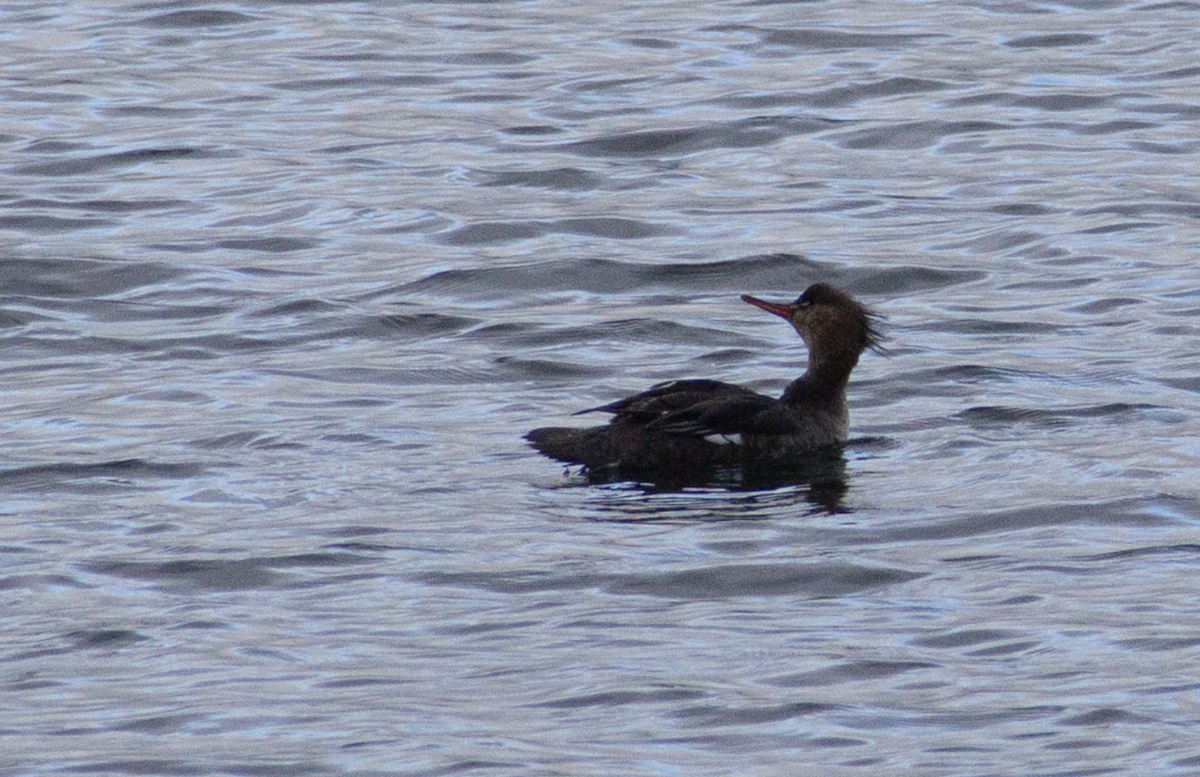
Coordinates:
column 196, row 18
column 1053, row 41
column 714, row 582
column 74, row 279
column 782, row 272
column 99, row 162
column 486, row 232
column 562, row 178
column 1006, row 416
column 639, row 330
column 740, row 133
column 49, row 474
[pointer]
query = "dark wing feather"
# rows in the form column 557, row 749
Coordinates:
column 746, row 413
column 662, row 399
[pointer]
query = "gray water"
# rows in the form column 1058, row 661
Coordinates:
column 283, row 284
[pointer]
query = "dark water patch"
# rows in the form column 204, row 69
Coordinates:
column 315, row 560
column 192, row 19
column 1101, row 306
column 10, row 319
column 840, row 96
column 1007, row 417
column 362, row 682
column 493, row 232
column 853, row 671
column 246, row 439
column 105, row 206
column 221, row 574
column 203, row 625
column 504, row 231
column 1062, row 101
column 472, row 629
column 44, row 96
column 1183, row 550
column 907, row 279
column 983, row 326
column 1057, row 40
column 1184, row 384
column 1160, row 644
column 150, row 111
column 299, row 307
column 785, row 274
column 1103, row 717
column 622, row 698
column 610, row 227
column 533, row 130
column 1142, row 209
column 1056, row 284
column 50, row 224
column 606, row 84
column 367, row 547
column 275, row 244
column 118, row 310
column 415, row 325
column 164, row 349
column 964, row 638
column 1109, row 229
column 715, row 582
column 1111, row 127
column 604, row 275
column 713, row 715
column 727, row 356
column 197, row 574
column 158, row 724
column 813, row 580
column 905, row 136
column 1173, row 110
column 740, row 133
column 36, row 582
column 638, row 330
column 104, row 638
column 54, row 146
column 43, row 476
column 143, row 766
column 1173, row 73
column 516, row 369
column 652, row 43
column 488, row 58
column 1054, row 102
column 499, row 370
column 80, row 278
column 358, row 82
column 512, row 582
column 99, row 162
column 1123, row 512
column 561, row 178
column 832, row 40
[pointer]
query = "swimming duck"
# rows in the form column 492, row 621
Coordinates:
column 690, row 425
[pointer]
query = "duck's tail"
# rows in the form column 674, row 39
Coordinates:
column 558, row 442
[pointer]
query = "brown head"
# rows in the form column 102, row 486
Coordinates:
column 835, row 327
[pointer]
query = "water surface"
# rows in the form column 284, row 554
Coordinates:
column 284, row 284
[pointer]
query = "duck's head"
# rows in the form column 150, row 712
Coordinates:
column 830, row 321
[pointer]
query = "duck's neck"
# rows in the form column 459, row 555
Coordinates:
column 824, row 382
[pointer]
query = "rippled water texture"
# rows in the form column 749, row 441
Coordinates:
column 283, row 284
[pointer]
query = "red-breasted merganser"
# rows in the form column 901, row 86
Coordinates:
column 686, row 425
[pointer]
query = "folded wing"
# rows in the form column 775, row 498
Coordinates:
column 701, row 408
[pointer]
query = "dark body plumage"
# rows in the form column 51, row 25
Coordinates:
column 688, row 426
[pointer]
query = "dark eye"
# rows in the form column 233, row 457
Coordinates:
column 803, row 301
